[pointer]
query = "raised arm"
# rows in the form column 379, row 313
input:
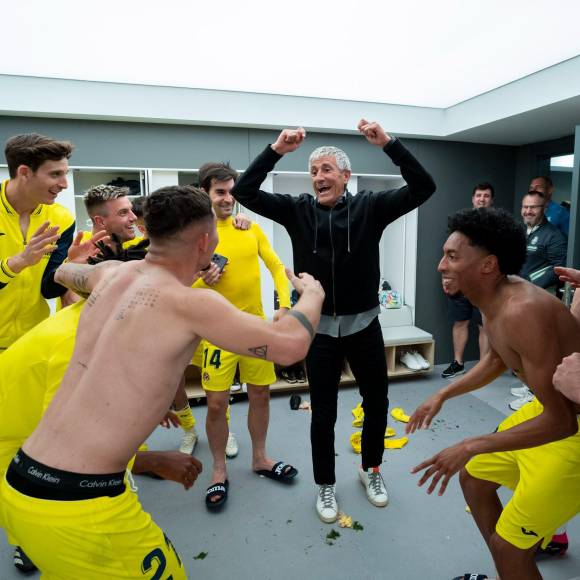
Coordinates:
column 247, row 188
column 420, row 185
column 284, row 342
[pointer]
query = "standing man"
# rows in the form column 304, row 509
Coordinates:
column 239, row 282
column 556, row 214
column 546, row 247
column 460, row 310
column 335, row 237
column 536, row 451
column 35, row 232
column 64, row 499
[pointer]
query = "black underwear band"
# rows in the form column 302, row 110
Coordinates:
column 37, row 480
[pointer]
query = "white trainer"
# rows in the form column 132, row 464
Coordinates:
column 521, row 401
column 188, row 442
column 375, row 487
column 520, row 391
column 410, row 362
column 232, row 447
column 326, row 506
column 423, row 362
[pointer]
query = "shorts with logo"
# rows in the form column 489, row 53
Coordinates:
column 545, row 481
column 93, row 539
column 218, row 368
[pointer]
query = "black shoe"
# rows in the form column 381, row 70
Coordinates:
column 557, row 546
column 453, row 370
column 300, row 376
column 22, row 562
column 287, row 375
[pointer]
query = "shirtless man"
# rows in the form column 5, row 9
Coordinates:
column 137, row 333
column 535, row 451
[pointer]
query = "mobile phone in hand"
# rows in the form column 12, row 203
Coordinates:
column 220, row 261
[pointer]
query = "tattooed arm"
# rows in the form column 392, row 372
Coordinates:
column 285, row 341
column 82, row 278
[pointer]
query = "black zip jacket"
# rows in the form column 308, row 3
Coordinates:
column 547, row 247
column 339, row 246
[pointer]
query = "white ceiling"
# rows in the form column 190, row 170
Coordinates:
column 441, row 61
column 420, row 53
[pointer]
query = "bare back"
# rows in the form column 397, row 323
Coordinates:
column 531, row 331
column 131, row 349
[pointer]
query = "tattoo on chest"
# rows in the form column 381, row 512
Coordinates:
column 259, row 351
column 144, row 297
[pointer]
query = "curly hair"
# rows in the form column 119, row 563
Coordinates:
column 169, row 210
column 496, row 231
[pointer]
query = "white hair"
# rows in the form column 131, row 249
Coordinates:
column 341, row 157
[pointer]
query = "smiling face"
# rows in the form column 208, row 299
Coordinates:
column 117, row 217
column 44, row 184
column 482, row 198
column 533, row 210
column 462, row 265
column 221, row 197
column 328, row 180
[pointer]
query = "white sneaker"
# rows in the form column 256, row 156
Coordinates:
column 421, row 361
column 232, row 447
column 521, row 401
column 375, row 487
column 188, row 442
column 235, row 387
column 326, row 505
column 520, row 391
column 411, row 362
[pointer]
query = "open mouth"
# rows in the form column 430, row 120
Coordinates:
column 323, row 189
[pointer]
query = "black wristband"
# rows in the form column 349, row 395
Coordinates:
column 301, row 318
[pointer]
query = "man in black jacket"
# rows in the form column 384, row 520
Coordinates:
column 335, row 237
column 547, row 245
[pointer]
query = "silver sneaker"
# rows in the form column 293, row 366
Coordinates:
column 326, row 506
column 232, row 447
column 375, row 487
column 520, row 391
column 188, row 442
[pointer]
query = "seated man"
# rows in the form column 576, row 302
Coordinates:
column 126, row 364
column 536, row 451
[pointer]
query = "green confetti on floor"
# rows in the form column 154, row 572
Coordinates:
column 200, row 556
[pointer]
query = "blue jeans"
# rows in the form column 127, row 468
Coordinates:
column 365, row 353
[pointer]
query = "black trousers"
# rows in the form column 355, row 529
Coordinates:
column 365, row 353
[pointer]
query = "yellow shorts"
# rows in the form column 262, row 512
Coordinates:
column 545, row 480
column 218, row 368
column 94, row 539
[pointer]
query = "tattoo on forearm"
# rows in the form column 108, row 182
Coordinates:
column 144, row 297
column 259, row 351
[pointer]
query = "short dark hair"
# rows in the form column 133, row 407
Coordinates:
column 32, row 150
column 482, row 187
column 169, row 210
column 215, row 171
column 534, row 192
column 97, row 196
column 138, row 206
column 547, row 180
column 496, row 231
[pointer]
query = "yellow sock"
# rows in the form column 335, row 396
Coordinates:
column 228, row 414
column 186, row 418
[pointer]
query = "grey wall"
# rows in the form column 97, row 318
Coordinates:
column 456, row 168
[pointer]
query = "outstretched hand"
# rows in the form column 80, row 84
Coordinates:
column 304, row 282
column 568, row 275
column 79, row 252
column 373, row 133
column 443, row 466
column 424, row 413
column 289, row 140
